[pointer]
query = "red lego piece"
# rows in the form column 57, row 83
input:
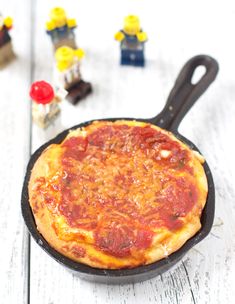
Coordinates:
column 42, row 92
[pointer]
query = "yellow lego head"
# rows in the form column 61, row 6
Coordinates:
column 58, row 16
column 8, row 21
column 131, row 25
column 66, row 57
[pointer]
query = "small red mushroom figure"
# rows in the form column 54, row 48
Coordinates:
column 45, row 106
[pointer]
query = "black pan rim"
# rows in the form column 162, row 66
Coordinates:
column 206, row 218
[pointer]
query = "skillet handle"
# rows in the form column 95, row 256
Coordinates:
column 184, row 94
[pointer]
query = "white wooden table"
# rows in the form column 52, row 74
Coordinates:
column 177, row 30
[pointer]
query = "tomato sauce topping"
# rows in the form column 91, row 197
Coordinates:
column 124, row 182
column 118, row 238
column 78, row 251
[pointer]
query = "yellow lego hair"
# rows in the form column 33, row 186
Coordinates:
column 8, row 21
column 131, row 25
column 66, row 57
column 58, row 17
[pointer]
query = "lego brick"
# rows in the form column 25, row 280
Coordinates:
column 78, row 91
column 6, row 54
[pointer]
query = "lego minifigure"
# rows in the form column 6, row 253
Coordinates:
column 68, row 73
column 61, row 29
column 6, row 49
column 45, row 106
column 132, row 42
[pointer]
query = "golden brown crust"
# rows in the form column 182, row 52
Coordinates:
column 78, row 243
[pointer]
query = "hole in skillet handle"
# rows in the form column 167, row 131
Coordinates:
column 198, row 74
column 185, row 92
column 124, row 275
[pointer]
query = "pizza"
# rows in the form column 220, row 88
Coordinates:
column 118, row 194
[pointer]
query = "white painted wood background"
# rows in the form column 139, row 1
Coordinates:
column 177, row 30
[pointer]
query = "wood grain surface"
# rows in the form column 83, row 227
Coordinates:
column 177, row 30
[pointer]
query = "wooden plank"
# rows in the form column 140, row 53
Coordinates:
column 14, row 154
column 206, row 273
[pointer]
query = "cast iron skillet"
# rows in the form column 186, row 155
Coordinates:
column 182, row 97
